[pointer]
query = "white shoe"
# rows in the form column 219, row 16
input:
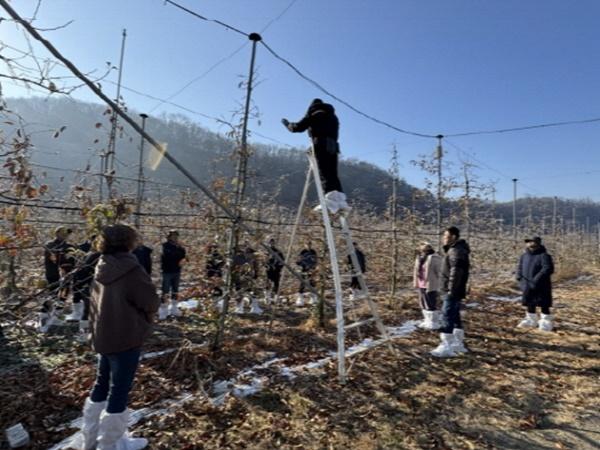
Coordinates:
column 87, row 437
column 427, row 323
column 313, row 299
column 340, row 199
column 239, row 308
column 436, row 320
column 300, row 300
column 458, row 343
column 530, row 321
column 163, row 311
column 76, row 314
column 113, row 435
column 83, row 335
column 43, row 322
column 444, row 350
column 174, row 309
column 545, row 323
column 255, row 308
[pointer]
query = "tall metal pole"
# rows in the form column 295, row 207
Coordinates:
column 239, row 196
column 439, row 156
column 574, row 225
column 394, row 216
column 140, row 184
column 515, row 209
column 554, row 213
column 109, row 161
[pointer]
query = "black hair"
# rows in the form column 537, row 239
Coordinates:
column 453, row 231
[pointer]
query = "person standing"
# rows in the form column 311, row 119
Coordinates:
column 82, row 280
column 534, row 273
column 455, row 275
column 362, row 262
column 307, row 260
column 274, row 268
column 427, row 279
column 143, row 254
column 323, row 128
column 214, row 269
column 122, row 304
column 172, row 259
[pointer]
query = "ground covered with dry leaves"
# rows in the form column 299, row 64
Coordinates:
column 516, row 389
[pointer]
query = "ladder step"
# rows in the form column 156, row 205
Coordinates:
column 358, row 324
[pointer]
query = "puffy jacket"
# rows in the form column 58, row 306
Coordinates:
column 534, row 273
column 123, row 301
column 455, row 269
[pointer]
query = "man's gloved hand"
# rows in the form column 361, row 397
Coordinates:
column 285, row 122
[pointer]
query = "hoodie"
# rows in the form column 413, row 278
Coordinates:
column 123, row 301
column 455, row 269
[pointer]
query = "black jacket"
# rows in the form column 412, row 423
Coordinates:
column 55, row 257
column 273, row 264
column 214, row 264
column 533, row 273
column 362, row 262
column 83, row 276
column 172, row 254
column 455, row 269
column 144, row 257
column 307, row 260
column 322, row 125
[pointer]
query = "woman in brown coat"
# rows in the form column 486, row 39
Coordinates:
column 122, row 304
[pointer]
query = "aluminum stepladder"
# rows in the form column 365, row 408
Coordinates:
column 356, row 270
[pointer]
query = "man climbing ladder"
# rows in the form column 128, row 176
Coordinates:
column 323, row 128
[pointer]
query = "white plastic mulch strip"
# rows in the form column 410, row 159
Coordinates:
column 247, row 382
column 504, row 298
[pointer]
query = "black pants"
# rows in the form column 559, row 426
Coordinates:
column 274, row 277
column 328, row 168
column 545, row 309
column 428, row 300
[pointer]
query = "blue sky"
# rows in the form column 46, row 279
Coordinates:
column 439, row 66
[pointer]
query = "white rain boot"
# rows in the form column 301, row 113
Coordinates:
column 444, row 350
column 174, row 309
column 530, row 321
column 83, row 334
column 76, row 314
column 87, row 438
column 340, row 199
column 163, row 311
column 312, row 299
column 436, row 320
column 255, row 307
column 300, row 300
column 219, row 305
column 268, row 297
column 426, row 323
column 113, row 435
column 546, row 322
column 458, row 343
column 239, row 307
column 43, row 322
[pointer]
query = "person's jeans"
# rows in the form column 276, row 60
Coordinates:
column 114, row 379
column 170, row 284
column 450, row 314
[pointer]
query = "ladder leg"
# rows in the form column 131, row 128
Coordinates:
column 361, row 281
column 294, row 230
column 339, row 309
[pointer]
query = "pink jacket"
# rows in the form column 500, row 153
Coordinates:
column 432, row 267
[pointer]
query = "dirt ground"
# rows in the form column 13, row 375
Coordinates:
column 515, row 389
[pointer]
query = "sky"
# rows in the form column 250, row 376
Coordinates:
column 433, row 67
